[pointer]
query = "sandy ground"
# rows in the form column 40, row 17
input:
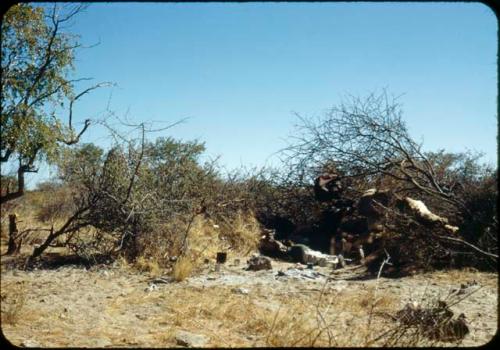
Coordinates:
column 110, row 305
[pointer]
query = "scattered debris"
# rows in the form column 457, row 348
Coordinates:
column 301, row 274
column 266, row 290
column 466, row 288
column 305, row 255
column 190, row 340
column 270, row 246
column 151, row 288
column 166, row 279
column 259, row 262
column 240, row 290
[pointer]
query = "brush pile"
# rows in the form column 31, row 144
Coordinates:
column 368, row 228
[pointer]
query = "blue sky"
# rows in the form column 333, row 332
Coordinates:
column 240, row 70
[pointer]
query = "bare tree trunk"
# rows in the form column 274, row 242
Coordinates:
column 40, row 249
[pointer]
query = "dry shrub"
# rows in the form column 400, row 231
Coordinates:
column 122, row 263
column 163, row 241
column 53, row 203
column 242, row 233
column 239, row 235
column 148, row 265
column 91, row 244
column 183, row 268
column 13, row 304
column 435, row 323
column 430, row 322
column 143, row 264
column 52, row 211
column 293, row 327
column 205, row 237
column 424, row 325
column 339, row 319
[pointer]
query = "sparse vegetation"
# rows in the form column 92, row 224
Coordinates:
column 183, row 268
column 154, row 208
column 146, row 217
column 13, row 304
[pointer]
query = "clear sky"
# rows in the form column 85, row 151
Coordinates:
column 240, row 70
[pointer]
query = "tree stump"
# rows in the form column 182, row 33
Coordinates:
column 12, row 247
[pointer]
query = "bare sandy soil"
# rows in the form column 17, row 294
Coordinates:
column 115, row 305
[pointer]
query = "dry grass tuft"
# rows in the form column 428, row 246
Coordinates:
column 239, row 236
column 244, row 233
column 183, row 268
column 204, row 240
column 229, row 319
column 294, row 326
column 370, row 298
column 13, row 304
column 149, row 265
column 122, row 262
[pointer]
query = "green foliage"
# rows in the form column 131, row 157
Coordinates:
column 146, row 194
column 171, row 169
column 29, row 43
column 132, row 189
column 36, row 60
column 81, row 165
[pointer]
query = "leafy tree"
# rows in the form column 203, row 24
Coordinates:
column 37, row 59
